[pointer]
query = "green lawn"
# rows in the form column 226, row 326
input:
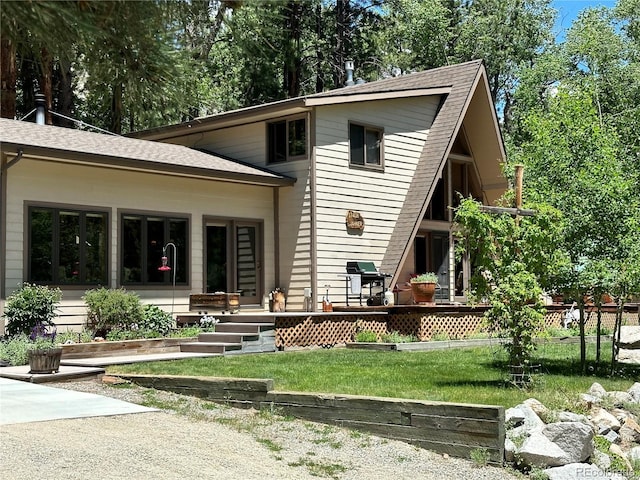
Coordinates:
column 476, row 375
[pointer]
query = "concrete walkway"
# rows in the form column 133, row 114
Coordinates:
column 24, row 402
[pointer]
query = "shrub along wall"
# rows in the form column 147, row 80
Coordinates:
column 454, row 429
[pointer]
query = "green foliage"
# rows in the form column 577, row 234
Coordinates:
column 397, row 337
column 512, row 260
column 29, row 306
column 428, row 277
column 157, row 320
column 366, row 336
column 15, row 349
column 480, row 456
column 113, row 308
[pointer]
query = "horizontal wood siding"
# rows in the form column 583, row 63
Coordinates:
column 377, row 195
column 248, row 143
column 76, row 185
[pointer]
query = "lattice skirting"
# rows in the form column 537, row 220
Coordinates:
column 326, row 331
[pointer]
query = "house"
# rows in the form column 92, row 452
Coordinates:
column 256, row 198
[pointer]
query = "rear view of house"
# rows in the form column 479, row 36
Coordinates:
column 256, row 198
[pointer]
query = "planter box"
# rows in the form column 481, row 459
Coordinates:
column 45, row 361
column 124, row 347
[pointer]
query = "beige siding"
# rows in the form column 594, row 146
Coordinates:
column 378, row 196
column 248, row 143
column 76, row 185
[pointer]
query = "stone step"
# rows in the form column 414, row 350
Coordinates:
column 222, row 337
column 243, row 327
column 209, row 347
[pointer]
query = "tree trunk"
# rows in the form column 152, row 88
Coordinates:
column 583, row 343
column 8, row 77
column 292, row 60
column 116, row 109
column 319, row 52
column 616, row 335
column 64, row 92
column 598, row 334
column 46, row 83
column 341, row 47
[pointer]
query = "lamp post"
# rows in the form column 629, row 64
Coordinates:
column 165, row 268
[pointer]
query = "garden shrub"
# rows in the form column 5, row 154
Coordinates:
column 366, row 336
column 156, row 320
column 397, row 337
column 15, row 350
column 113, row 308
column 29, row 306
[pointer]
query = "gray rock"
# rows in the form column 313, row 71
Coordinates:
column 630, row 337
column 537, row 450
column 590, row 400
column 575, row 439
column 601, row 418
column 630, row 431
column 573, row 417
column 537, row 407
column 612, row 437
column 619, row 398
column 525, row 415
column 601, row 460
column 514, row 417
column 596, row 390
column 634, row 391
column 574, row 471
column 510, row 450
column 634, row 454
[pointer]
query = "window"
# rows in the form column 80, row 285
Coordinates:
column 67, row 246
column 365, row 145
column 143, row 237
column 287, row 140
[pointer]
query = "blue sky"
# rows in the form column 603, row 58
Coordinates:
column 568, row 10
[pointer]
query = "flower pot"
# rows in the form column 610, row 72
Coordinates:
column 45, row 361
column 423, row 292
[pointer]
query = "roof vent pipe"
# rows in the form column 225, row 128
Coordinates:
column 348, row 66
column 40, row 108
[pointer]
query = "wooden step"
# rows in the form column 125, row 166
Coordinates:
column 222, row 337
column 209, row 347
column 243, row 327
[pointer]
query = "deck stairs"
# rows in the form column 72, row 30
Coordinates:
column 235, row 334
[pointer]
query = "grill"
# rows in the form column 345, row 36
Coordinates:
column 360, row 274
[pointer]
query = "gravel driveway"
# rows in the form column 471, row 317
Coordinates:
column 194, row 439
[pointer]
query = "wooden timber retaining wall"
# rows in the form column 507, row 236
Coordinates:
column 123, row 347
column 454, row 429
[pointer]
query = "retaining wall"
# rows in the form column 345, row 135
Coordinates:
column 454, row 429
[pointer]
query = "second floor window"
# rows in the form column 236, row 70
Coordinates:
column 287, row 140
column 365, row 146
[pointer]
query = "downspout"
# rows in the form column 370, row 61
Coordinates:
column 4, row 167
column 314, row 231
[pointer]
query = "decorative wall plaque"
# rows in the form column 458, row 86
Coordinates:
column 355, row 220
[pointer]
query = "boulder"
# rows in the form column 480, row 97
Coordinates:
column 601, row 460
column 619, row 398
column 601, row 418
column 634, row 455
column 510, row 450
column 537, row 407
column 596, row 390
column 538, row 451
column 523, row 415
column 612, row 437
column 629, row 337
column 575, row 439
column 634, row 391
column 579, row 471
column 573, row 417
column 630, row 431
column 629, row 356
column 557, row 444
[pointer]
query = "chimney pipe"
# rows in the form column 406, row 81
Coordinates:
column 40, row 108
column 348, row 66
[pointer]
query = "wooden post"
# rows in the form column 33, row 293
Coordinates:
column 519, row 173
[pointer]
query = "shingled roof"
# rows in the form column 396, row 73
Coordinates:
column 463, row 79
column 114, row 151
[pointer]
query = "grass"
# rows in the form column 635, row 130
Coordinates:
column 473, row 375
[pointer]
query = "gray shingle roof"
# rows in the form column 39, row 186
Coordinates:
column 66, row 143
column 442, row 134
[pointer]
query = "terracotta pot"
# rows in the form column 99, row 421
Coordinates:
column 45, row 361
column 423, row 292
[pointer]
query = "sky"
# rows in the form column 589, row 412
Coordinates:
column 568, row 10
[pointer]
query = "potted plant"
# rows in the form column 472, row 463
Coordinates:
column 423, row 287
column 44, row 353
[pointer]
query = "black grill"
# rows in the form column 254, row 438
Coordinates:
column 368, row 275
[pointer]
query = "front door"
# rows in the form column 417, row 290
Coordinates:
column 233, row 259
column 439, row 261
